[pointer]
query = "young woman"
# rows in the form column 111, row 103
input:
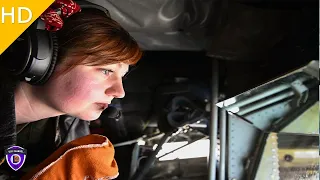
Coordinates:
column 95, row 52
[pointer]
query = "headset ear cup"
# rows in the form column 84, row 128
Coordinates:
column 55, row 48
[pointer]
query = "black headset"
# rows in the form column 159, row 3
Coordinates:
column 33, row 55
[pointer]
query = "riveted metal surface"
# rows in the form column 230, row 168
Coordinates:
column 265, row 117
column 241, row 138
column 269, row 164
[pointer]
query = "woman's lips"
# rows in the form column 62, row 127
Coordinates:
column 102, row 106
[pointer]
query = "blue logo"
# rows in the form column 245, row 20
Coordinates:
column 16, row 157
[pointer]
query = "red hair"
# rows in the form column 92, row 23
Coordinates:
column 93, row 38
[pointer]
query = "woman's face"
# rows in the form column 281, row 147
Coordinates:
column 85, row 91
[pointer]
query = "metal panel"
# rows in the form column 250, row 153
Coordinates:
column 307, row 123
column 269, row 164
column 241, row 136
column 261, row 110
column 263, row 118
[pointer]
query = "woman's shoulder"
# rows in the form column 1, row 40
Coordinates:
column 53, row 131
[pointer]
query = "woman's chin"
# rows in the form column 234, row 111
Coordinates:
column 89, row 116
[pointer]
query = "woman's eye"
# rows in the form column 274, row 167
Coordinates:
column 107, row 72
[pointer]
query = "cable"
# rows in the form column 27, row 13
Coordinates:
column 143, row 138
column 141, row 172
column 205, row 137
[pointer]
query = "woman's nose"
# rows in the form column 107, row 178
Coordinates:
column 120, row 91
column 116, row 90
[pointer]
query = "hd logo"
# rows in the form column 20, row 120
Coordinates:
column 16, row 15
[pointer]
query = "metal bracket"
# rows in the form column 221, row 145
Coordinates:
column 301, row 91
